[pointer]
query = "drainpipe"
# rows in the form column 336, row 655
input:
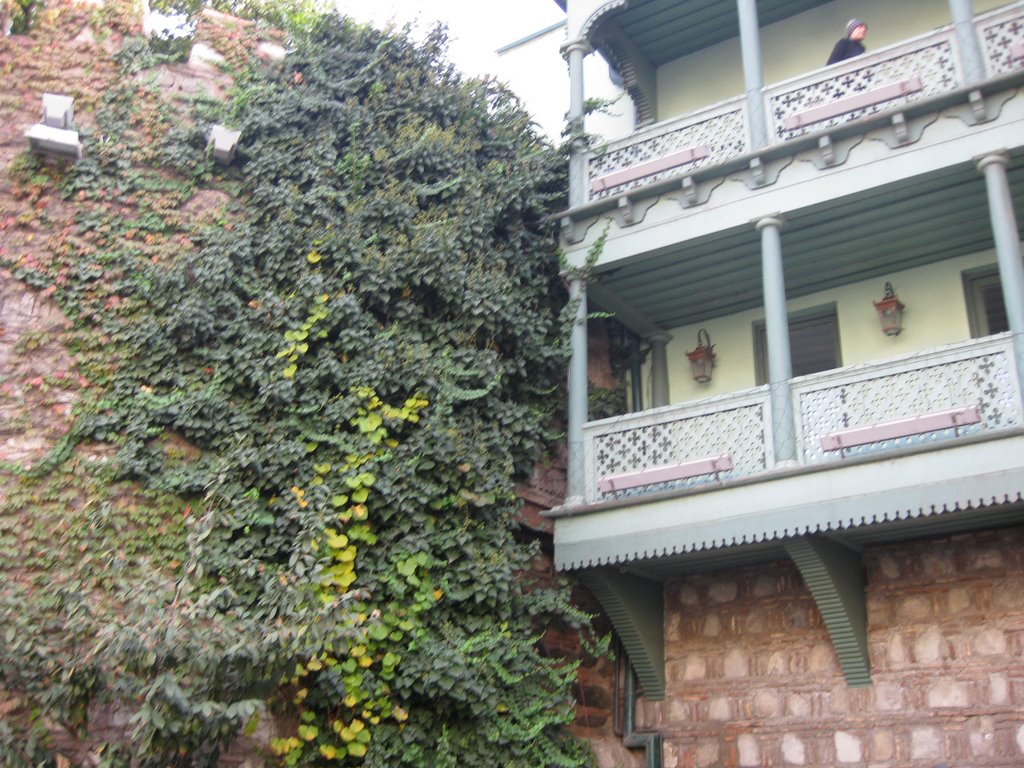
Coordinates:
column 650, row 741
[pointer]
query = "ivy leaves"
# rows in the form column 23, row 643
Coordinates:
column 341, row 377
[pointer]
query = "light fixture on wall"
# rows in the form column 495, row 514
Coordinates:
column 54, row 135
column 223, row 141
column 890, row 312
column 702, row 359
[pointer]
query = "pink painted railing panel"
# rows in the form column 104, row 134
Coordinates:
column 710, row 465
column 642, row 170
column 916, row 425
column 858, row 102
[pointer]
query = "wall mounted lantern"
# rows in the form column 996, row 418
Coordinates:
column 702, row 359
column 890, row 312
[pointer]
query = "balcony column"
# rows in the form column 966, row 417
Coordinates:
column 753, row 72
column 970, row 51
column 577, row 415
column 1008, row 253
column 575, row 51
column 659, row 368
column 776, row 320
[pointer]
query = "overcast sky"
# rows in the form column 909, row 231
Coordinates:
column 476, row 28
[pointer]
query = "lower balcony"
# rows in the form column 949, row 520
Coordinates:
column 866, row 410
column 926, row 444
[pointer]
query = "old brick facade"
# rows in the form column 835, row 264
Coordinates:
column 753, row 678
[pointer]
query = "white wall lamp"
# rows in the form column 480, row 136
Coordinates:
column 224, row 142
column 54, row 135
column 890, row 312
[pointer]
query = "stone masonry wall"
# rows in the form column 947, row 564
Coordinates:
column 752, row 679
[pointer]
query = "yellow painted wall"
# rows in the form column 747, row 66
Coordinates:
column 936, row 314
column 795, row 46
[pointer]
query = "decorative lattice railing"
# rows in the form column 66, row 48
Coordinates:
column 882, row 80
column 925, row 66
column 708, row 137
column 978, row 373
column 737, row 424
column 1002, row 39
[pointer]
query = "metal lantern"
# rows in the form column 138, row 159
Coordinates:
column 890, row 312
column 702, row 359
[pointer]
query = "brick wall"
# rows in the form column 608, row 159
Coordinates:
column 752, row 679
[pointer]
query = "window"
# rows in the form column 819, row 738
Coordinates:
column 813, row 343
column 986, row 312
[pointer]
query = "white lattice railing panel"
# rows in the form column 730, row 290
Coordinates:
column 721, row 131
column 737, row 424
column 1002, row 37
column 931, row 59
column 977, row 373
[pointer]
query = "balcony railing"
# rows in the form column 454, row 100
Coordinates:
column 708, row 137
column 925, row 66
column 979, row 375
column 915, row 69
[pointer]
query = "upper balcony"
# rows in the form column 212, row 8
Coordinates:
column 910, row 77
column 889, row 80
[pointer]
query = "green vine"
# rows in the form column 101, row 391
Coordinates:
column 298, row 420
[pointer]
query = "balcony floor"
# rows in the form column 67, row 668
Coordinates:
column 973, row 482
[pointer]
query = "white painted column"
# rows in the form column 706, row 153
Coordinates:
column 659, row 368
column 575, row 51
column 578, row 394
column 1008, row 252
column 753, row 72
column 780, row 364
column 967, row 38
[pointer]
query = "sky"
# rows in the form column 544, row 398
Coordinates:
column 476, row 28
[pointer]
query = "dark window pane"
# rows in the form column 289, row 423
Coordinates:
column 995, row 310
column 813, row 344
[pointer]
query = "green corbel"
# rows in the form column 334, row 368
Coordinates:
column 636, row 608
column 833, row 574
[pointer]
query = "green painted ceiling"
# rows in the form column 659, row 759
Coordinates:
column 667, row 29
column 918, row 221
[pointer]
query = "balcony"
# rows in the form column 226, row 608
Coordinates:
column 884, row 82
column 977, row 374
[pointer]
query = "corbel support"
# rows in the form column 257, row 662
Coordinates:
column 573, row 231
column 636, row 608
column 834, row 576
column 831, row 153
column 627, row 212
column 694, row 193
column 979, row 109
column 764, row 174
column 631, row 212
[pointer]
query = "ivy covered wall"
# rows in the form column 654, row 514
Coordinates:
column 271, row 479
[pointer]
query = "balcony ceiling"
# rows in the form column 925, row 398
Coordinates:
column 664, row 30
column 913, row 223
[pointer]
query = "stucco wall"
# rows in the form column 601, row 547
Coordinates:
column 936, row 314
column 793, row 47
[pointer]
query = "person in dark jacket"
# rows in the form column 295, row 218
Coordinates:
column 851, row 45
